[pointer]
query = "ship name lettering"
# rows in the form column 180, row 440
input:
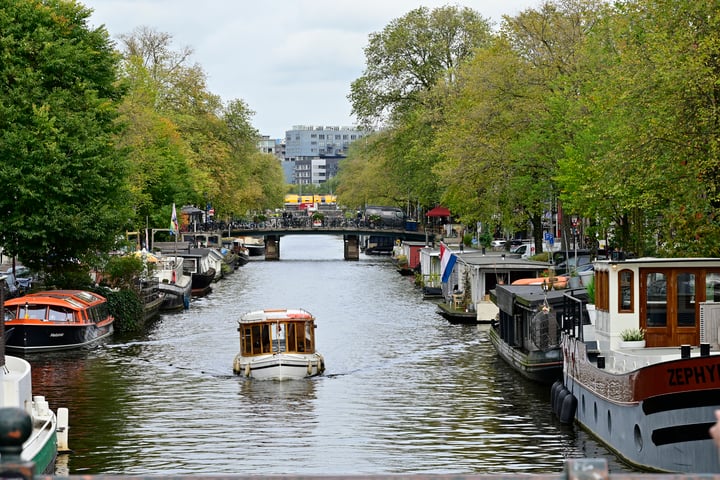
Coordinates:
column 693, row 375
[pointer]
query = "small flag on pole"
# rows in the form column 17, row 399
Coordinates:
column 174, row 227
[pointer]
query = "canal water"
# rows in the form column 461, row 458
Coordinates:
column 404, row 391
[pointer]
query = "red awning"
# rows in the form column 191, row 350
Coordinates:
column 438, row 212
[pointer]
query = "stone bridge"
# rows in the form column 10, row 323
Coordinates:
column 351, row 237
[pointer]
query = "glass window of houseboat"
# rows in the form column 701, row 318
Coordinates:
column 291, row 338
column 60, row 314
column 712, row 287
column 656, row 299
column 308, row 336
column 686, row 299
column 33, row 311
column 247, row 341
column 625, row 295
column 266, row 345
column 256, row 346
column 279, row 341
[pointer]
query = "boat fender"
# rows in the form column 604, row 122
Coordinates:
column 554, row 391
column 321, row 365
column 62, row 430
column 559, row 399
column 567, row 409
column 309, row 368
column 247, row 369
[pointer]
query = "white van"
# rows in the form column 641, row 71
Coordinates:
column 526, row 250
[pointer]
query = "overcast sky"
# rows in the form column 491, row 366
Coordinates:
column 291, row 61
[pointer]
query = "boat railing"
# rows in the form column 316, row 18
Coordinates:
column 575, row 313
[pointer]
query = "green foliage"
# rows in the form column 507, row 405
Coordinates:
column 127, row 308
column 485, row 239
column 590, row 288
column 633, row 334
column 124, row 271
column 65, row 194
column 411, row 55
column 73, row 276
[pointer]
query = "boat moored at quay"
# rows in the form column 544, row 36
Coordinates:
column 56, row 320
column 652, row 403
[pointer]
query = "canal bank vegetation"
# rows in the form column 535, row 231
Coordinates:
column 602, row 110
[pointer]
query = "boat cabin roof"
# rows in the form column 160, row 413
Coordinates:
column 75, row 299
column 276, row 315
column 499, row 261
column 510, row 298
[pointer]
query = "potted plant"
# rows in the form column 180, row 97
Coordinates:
column 590, row 288
column 632, row 338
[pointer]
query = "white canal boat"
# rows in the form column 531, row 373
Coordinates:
column 278, row 345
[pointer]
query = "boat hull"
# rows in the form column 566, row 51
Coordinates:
column 50, row 337
column 456, row 316
column 41, row 447
column 279, row 366
column 657, row 417
column 201, row 282
column 538, row 366
column 175, row 296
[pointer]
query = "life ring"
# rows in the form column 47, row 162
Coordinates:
column 247, row 369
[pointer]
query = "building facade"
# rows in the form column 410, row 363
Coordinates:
column 306, row 142
column 311, row 154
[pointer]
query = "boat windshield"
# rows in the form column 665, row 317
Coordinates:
column 60, row 314
column 281, row 336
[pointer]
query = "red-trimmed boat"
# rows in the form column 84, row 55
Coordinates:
column 56, row 320
column 651, row 401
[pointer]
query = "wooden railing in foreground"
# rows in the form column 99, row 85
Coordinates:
column 16, row 427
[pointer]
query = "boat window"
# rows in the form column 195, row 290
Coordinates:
column 247, row 341
column 60, row 314
column 712, row 287
column 686, row 299
column 656, row 299
column 86, row 297
column 308, row 337
column 266, row 345
column 602, row 290
column 33, row 311
column 291, row 337
column 279, row 341
column 625, row 295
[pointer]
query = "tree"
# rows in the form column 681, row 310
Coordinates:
column 410, row 56
column 65, row 195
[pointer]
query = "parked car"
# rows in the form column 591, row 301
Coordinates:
column 498, row 243
column 526, row 250
column 573, row 263
column 13, row 288
column 22, row 276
